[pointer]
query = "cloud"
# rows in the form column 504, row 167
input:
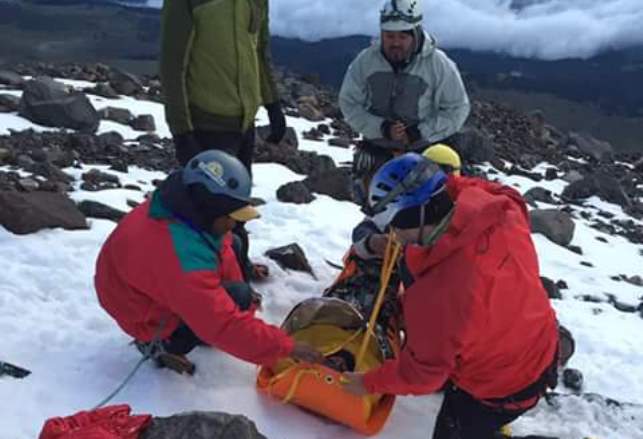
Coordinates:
column 546, row 29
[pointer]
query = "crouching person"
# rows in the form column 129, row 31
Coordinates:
column 169, row 277
column 478, row 321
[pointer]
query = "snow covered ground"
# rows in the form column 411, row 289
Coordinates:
column 51, row 322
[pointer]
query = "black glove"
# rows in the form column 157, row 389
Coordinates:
column 186, row 146
column 385, row 128
column 277, row 122
column 413, row 133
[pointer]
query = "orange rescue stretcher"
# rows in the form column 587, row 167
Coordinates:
column 338, row 330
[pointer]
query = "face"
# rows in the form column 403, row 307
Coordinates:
column 411, row 236
column 397, row 46
column 223, row 225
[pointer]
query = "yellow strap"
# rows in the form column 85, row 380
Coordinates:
column 390, row 258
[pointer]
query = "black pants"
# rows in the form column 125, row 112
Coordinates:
column 183, row 339
column 464, row 417
column 239, row 144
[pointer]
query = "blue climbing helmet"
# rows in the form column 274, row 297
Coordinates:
column 220, row 173
column 406, row 181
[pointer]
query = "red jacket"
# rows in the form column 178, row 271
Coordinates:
column 155, row 269
column 477, row 313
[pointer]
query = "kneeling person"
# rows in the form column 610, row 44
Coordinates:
column 169, row 276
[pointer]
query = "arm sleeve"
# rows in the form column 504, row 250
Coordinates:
column 436, row 322
column 353, row 101
column 452, row 101
column 208, row 310
column 269, row 93
column 177, row 34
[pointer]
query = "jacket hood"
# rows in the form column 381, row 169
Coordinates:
column 480, row 206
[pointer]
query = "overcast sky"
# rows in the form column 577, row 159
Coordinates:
column 548, row 29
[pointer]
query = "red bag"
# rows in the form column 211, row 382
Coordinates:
column 112, row 422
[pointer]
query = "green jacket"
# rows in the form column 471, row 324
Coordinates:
column 215, row 63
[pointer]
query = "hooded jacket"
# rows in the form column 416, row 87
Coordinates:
column 427, row 93
column 215, row 63
column 477, row 313
column 156, row 271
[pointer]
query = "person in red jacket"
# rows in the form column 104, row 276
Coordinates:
column 169, row 276
column 478, row 320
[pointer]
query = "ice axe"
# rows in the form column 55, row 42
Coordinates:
column 13, row 371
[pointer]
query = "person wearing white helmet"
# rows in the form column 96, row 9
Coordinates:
column 402, row 93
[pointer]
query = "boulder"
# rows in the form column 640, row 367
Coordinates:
column 537, row 193
column 295, row 192
column 600, row 184
column 47, row 102
column 556, row 225
column 597, row 149
column 291, row 257
column 124, row 83
column 11, row 79
column 24, row 213
column 144, row 122
column 94, row 209
column 119, row 115
column 308, row 108
column 336, row 183
column 103, row 89
column 473, row 145
column 551, row 287
column 9, row 103
column 202, row 425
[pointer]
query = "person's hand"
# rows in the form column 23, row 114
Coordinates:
column 186, row 146
column 306, row 353
column 398, row 133
column 376, row 244
column 277, row 123
column 354, row 383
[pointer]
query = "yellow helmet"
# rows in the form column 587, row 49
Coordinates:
column 445, row 156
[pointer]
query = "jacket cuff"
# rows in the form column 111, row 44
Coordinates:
column 413, row 133
column 385, row 128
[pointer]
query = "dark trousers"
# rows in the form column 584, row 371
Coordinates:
column 464, row 417
column 183, row 339
column 239, row 144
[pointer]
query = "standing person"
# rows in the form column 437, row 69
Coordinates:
column 215, row 71
column 402, row 93
column 169, row 276
column 477, row 317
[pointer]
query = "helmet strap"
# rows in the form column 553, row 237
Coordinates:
column 437, row 232
column 422, row 220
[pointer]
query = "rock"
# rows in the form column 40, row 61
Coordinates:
column 308, row 108
column 586, row 264
column 551, row 174
column 573, row 379
column 551, row 288
column 202, row 425
column 47, row 102
column 516, row 170
column 623, row 307
column 28, row 184
column 103, row 89
column 120, row 115
column 295, row 192
column 94, row 209
column 573, row 176
column 5, row 154
column 96, row 180
column 574, row 248
column 556, row 225
column 11, row 79
column 597, row 149
column 600, row 184
column 24, row 213
column 111, row 139
column 473, row 145
column 291, row 257
column 324, row 129
column 9, row 103
column 50, row 172
column 601, row 239
column 124, row 83
column 340, row 142
column 539, row 194
column 635, row 280
column 336, row 183
column 562, row 285
column 144, row 122
column 290, row 139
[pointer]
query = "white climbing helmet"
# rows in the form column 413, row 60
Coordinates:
column 400, row 15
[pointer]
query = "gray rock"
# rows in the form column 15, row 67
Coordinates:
column 556, row 225
column 635, row 280
column 551, row 288
column 144, row 122
column 598, row 149
column 573, row 379
column 94, row 209
column 202, row 425
column 308, row 108
column 336, row 183
column 600, row 184
column 291, row 257
column 96, row 180
column 539, row 194
column 295, row 192
column 11, row 79
column 9, row 103
column 340, row 142
column 120, row 115
column 289, row 140
column 47, row 102
column 103, row 89
column 124, row 83
column 24, row 213
column 573, row 176
column 5, row 154
column 473, row 145
column 28, row 184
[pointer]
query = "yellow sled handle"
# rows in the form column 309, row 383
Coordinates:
column 390, row 258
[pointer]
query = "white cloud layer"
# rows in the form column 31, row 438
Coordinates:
column 548, row 29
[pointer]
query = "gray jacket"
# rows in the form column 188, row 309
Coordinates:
column 428, row 93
